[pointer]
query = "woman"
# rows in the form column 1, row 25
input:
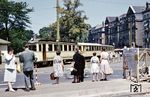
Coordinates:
column 94, row 67
column 10, row 69
column 58, row 66
column 104, row 65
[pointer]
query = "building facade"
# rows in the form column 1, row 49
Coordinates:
column 112, row 31
column 135, row 25
column 146, row 26
column 131, row 28
column 3, row 49
column 123, row 31
column 97, row 34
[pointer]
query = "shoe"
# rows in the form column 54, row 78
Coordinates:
column 12, row 90
column 101, row 79
column 33, row 89
column 73, row 82
column 92, row 80
column 27, row 90
column 105, row 79
column 78, row 81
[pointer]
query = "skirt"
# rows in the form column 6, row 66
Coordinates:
column 105, row 67
column 94, row 68
column 10, row 75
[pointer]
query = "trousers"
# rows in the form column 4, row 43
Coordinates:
column 29, row 79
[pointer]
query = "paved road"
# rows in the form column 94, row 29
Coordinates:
column 115, row 87
column 43, row 75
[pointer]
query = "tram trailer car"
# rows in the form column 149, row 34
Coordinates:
column 45, row 50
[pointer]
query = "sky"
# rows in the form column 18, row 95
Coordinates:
column 96, row 10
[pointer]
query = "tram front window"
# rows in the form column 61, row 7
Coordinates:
column 32, row 47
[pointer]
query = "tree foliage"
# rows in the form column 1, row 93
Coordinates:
column 14, row 20
column 72, row 22
column 46, row 33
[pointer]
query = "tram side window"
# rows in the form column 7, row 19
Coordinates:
column 79, row 47
column 69, row 47
column 40, row 47
column 61, row 47
column 55, row 47
column 65, row 47
column 50, row 47
column 73, row 47
column 90, row 48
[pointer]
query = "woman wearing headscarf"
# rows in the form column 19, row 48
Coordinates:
column 58, row 66
column 10, row 69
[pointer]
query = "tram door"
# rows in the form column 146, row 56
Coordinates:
column 44, row 51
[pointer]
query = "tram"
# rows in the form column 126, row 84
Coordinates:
column 45, row 50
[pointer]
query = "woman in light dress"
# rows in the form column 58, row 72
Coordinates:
column 105, row 68
column 94, row 67
column 58, row 66
column 10, row 70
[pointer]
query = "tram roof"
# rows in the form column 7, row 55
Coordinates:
column 41, row 41
column 93, row 44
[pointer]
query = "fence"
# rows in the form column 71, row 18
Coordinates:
column 138, row 64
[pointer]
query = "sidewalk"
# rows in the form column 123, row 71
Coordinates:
column 86, row 89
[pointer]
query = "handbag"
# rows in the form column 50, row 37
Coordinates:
column 18, row 68
column 52, row 77
column 74, row 72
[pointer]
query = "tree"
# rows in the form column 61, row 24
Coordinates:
column 13, row 15
column 14, row 20
column 72, row 22
column 45, row 33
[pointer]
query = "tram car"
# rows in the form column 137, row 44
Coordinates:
column 45, row 50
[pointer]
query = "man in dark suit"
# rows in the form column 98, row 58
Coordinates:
column 27, row 57
column 79, row 65
column 82, row 63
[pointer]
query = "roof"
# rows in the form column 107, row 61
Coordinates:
column 110, row 19
column 122, row 16
column 138, row 9
column 4, row 41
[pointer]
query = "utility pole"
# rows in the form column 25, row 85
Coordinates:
column 58, row 31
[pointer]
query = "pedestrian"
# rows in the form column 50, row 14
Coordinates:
column 77, row 66
column 0, row 57
column 125, row 63
column 27, row 57
column 105, row 68
column 94, row 67
column 10, row 69
column 82, row 66
column 58, row 66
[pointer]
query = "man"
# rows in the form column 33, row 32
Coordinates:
column 79, row 66
column 27, row 57
column 82, row 61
